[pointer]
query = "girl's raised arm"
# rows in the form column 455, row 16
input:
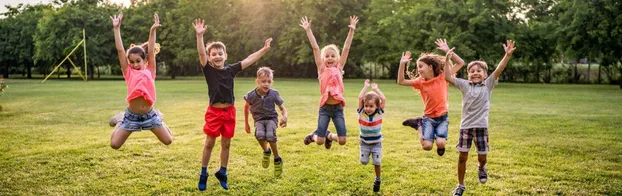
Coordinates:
column 116, row 26
column 306, row 25
column 151, row 62
column 400, row 73
column 346, row 46
column 200, row 28
column 442, row 45
column 362, row 94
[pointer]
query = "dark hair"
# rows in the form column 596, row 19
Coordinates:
column 141, row 49
column 216, row 45
column 372, row 96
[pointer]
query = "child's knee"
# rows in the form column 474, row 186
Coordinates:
column 167, row 142
column 463, row 158
column 427, row 147
column 115, row 146
column 342, row 141
column 365, row 162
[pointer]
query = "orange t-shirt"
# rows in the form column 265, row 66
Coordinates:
column 140, row 83
column 434, row 95
column 331, row 84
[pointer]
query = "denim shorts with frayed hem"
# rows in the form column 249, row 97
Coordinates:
column 137, row 122
column 431, row 128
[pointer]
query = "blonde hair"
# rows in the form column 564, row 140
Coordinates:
column 327, row 47
column 373, row 97
column 480, row 64
column 265, row 71
column 216, row 45
column 141, row 49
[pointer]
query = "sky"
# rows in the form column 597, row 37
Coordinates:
column 16, row 2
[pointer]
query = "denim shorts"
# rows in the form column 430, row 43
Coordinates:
column 137, row 122
column 371, row 150
column 266, row 130
column 431, row 128
column 328, row 112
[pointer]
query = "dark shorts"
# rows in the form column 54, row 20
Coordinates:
column 479, row 136
column 136, row 122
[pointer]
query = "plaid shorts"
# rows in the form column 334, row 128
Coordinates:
column 480, row 135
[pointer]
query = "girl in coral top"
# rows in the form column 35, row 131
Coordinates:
column 330, row 70
column 139, row 70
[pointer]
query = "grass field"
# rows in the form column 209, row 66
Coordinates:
column 545, row 140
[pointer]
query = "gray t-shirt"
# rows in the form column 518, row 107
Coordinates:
column 475, row 101
column 262, row 108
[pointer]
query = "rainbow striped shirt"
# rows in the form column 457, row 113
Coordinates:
column 370, row 126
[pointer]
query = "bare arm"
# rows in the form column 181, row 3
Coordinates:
column 442, row 45
column 346, row 46
column 151, row 61
column 509, row 49
column 306, row 25
column 247, row 127
column 255, row 56
column 200, row 28
column 283, row 116
column 383, row 99
column 400, row 73
column 116, row 26
column 362, row 94
column 449, row 76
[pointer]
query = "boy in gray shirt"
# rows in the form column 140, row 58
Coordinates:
column 261, row 102
column 476, row 94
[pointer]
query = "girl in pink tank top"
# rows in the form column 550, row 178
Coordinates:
column 330, row 74
column 139, row 72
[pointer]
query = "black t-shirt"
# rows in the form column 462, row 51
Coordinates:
column 220, row 82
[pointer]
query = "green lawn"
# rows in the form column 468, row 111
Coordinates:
column 544, row 139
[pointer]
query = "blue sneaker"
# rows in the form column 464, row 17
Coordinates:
column 202, row 182
column 222, row 178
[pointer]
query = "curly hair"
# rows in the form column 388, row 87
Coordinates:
column 436, row 61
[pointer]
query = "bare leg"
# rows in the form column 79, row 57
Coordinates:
column 275, row 151
column 482, row 160
column 207, row 150
column 378, row 170
column 263, row 144
column 225, row 143
column 462, row 166
column 440, row 142
column 319, row 140
column 163, row 133
column 118, row 137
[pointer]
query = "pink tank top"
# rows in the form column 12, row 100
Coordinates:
column 331, row 84
column 140, row 83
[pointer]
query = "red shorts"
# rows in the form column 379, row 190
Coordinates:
column 219, row 121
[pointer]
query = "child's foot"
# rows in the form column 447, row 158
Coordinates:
column 308, row 139
column 266, row 158
column 116, row 119
column 202, row 182
column 415, row 123
column 459, row 190
column 483, row 176
column 376, row 185
column 328, row 143
column 222, row 178
column 440, row 151
column 278, row 167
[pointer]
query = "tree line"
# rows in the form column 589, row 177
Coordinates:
column 556, row 39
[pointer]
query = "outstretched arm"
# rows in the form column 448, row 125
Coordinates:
column 400, row 73
column 362, row 94
column 383, row 99
column 151, row 61
column 255, row 56
column 306, row 25
column 247, row 127
column 116, row 26
column 346, row 46
column 442, row 45
column 200, row 28
column 509, row 49
column 283, row 122
column 449, row 76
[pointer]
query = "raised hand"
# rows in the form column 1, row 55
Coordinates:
column 353, row 21
column 442, row 45
column 366, row 83
column 156, row 22
column 199, row 26
column 283, row 122
column 267, row 43
column 305, row 23
column 116, row 20
column 448, row 55
column 509, row 47
column 405, row 57
column 374, row 86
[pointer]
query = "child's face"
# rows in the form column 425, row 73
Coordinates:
column 424, row 70
column 477, row 74
column 264, row 83
column 217, row 57
column 330, row 58
column 136, row 62
column 369, row 107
